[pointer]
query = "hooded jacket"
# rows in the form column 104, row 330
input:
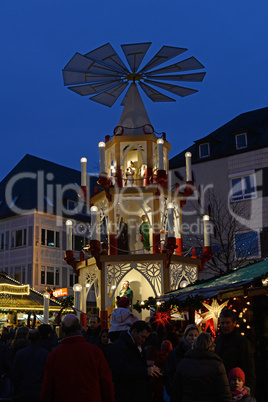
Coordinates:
column 121, row 319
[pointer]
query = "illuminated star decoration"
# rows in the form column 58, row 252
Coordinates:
column 161, row 318
column 213, row 312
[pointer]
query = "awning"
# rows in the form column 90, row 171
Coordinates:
column 15, row 296
column 249, row 280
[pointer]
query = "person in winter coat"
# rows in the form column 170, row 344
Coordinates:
column 234, row 349
column 176, row 355
column 76, row 370
column 131, row 374
column 201, row 375
column 92, row 334
column 121, row 318
column 28, row 369
column 238, row 389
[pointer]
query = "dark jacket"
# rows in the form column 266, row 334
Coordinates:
column 173, row 359
column 201, row 376
column 28, row 370
column 93, row 335
column 235, row 351
column 129, row 369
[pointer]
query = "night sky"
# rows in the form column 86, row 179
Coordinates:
column 41, row 117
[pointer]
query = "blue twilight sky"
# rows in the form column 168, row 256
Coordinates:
column 41, row 117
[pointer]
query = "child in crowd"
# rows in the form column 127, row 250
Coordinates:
column 238, row 389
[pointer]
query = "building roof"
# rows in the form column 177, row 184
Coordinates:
column 222, row 141
column 34, row 301
column 244, row 280
column 35, row 184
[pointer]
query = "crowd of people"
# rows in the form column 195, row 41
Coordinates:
column 130, row 361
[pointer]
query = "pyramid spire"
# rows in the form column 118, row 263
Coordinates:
column 134, row 114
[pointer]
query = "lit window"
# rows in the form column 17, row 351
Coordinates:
column 243, row 188
column 241, row 141
column 246, row 244
column 204, row 150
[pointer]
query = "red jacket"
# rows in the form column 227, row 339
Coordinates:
column 77, row 371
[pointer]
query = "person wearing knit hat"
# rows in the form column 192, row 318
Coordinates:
column 177, row 354
column 123, row 302
column 239, row 391
column 121, row 318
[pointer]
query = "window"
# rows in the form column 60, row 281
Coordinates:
column 2, row 244
column 72, row 278
column 50, row 276
column 241, row 141
column 18, row 238
column 243, row 188
column 204, row 150
column 246, row 244
column 79, row 242
column 18, row 273
column 71, row 205
column 50, row 238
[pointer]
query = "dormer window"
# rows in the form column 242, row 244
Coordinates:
column 241, row 141
column 204, row 150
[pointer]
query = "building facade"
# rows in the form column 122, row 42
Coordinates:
column 230, row 168
column 36, row 199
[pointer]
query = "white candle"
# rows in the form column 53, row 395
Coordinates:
column 160, row 143
column 206, row 232
column 102, row 156
column 83, row 171
column 94, row 223
column 77, row 288
column 188, row 156
column 69, row 235
column 170, row 220
column 46, row 307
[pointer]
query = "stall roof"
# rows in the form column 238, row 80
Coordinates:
column 243, row 278
column 15, row 296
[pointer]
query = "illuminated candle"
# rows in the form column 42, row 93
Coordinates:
column 69, row 235
column 206, row 232
column 170, row 220
column 188, row 156
column 160, row 143
column 102, row 156
column 77, row 288
column 83, row 171
column 94, row 223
